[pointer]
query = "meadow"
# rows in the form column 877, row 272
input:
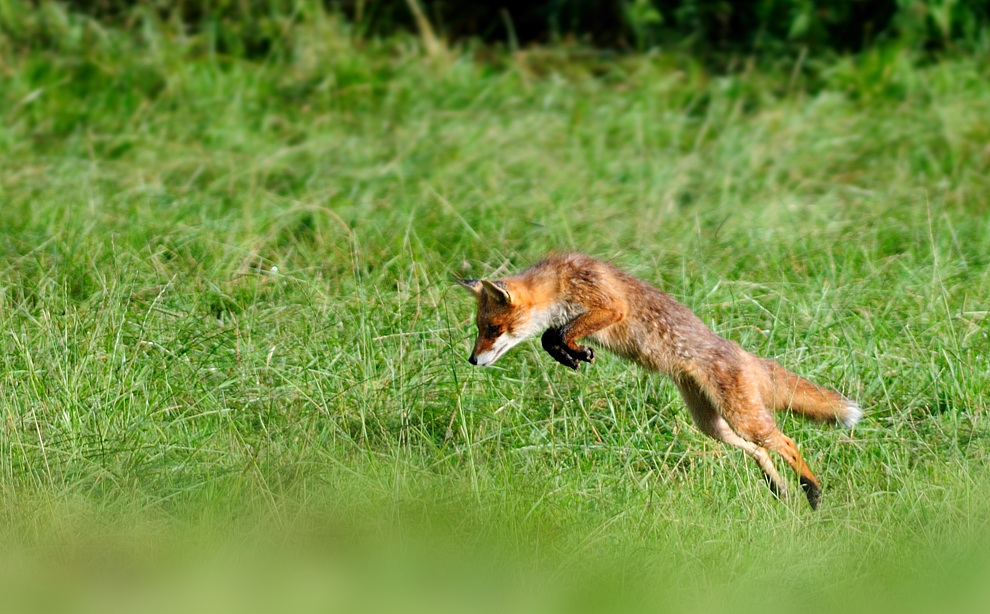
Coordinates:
column 227, row 315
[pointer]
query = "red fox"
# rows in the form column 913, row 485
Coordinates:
column 729, row 392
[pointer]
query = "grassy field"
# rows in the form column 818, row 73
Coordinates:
column 227, row 316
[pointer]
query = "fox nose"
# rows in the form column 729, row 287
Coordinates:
column 472, row 359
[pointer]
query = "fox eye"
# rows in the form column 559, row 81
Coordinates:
column 493, row 330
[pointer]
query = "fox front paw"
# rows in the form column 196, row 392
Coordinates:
column 553, row 343
column 584, row 353
column 567, row 360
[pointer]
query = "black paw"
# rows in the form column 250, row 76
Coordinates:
column 812, row 491
column 567, row 360
column 584, row 353
column 775, row 488
column 553, row 343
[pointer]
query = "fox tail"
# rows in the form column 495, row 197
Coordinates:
column 790, row 392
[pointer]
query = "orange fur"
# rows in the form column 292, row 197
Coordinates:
column 730, row 393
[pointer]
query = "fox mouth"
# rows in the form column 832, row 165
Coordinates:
column 501, row 346
column 486, row 359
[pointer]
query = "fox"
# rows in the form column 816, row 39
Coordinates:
column 730, row 393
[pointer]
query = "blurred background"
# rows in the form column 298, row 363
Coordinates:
column 255, row 28
column 233, row 364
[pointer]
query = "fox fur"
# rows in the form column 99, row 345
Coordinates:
column 730, row 392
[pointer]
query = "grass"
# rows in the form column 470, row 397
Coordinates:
column 227, row 315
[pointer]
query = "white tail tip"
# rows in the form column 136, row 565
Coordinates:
column 852, row 415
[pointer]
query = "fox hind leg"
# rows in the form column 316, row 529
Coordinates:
column 720, row 429
column 749, row 417
column 757, row 426
column 785, row 446
column 710, row 422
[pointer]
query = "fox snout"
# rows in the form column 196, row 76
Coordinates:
column 489, row 349
column 481, row 355
column 484, row 353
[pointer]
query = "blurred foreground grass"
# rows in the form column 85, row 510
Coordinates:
column 227, row 318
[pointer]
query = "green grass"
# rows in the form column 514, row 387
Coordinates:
column 226, row 308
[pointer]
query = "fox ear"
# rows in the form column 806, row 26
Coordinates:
column 497, row 291
column 473, row 285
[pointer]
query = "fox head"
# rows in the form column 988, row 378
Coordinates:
column 504, row 319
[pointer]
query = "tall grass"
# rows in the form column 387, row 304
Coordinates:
column 225, row 303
